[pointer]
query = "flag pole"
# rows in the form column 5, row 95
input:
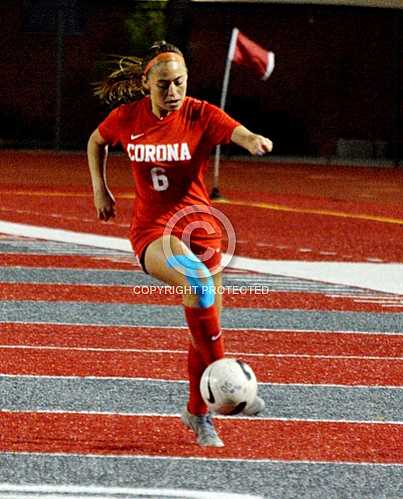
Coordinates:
column 215, row 193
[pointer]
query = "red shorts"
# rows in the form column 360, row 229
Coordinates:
column 141, row 240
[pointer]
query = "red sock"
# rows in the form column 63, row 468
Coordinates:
column 196, row 367
column 205, row 329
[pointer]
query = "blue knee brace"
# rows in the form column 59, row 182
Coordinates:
column 195, row 271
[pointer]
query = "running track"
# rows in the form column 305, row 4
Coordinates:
column 92, row 374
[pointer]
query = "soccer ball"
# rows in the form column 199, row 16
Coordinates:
column 228, row 386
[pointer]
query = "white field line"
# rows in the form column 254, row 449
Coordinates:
column 184, row 352
column 364, row 295
column 382, row 277
column 162, row 380
column 66, row 236
column 88, row 492
column 372, row 297
column 73, row 254
column 227, row 329
column 129, row 457
column 218, row 416
column 376, row 276
column 394, row 303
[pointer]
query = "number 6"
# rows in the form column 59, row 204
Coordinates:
column 160, row 181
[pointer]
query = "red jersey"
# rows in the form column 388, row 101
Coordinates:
column 169, row 158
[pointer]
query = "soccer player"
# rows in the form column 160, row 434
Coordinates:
column 168, row 137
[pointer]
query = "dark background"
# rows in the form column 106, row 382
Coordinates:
column 337, row 88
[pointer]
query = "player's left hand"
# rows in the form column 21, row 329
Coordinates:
column 260, row 145
column 254, row 143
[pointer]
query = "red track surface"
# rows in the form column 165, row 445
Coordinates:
column 69, row 261
column 347, row 239
column 40, row 199
column 125, row 294
column 54, row 191
column 165, row 365
column 248, row 341
column 231, row 298
column 159, row 436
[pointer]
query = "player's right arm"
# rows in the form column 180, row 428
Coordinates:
column 97, row 154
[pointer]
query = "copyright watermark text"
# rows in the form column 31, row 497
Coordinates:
column 185, row 290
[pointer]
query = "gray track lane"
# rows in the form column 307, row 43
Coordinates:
column 274, row 480
column 159, row 315
column 137, row 396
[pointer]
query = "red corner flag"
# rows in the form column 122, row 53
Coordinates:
column 246, row 52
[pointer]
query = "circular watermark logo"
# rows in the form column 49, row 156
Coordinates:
column 178, row 224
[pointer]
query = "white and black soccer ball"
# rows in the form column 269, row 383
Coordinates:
column 228, row 386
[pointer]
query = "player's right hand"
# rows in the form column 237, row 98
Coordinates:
column 105, row 204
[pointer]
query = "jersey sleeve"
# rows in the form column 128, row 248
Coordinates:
column 218, row 125
column 109, row 128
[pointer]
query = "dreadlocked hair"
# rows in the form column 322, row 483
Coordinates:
column 124, row 84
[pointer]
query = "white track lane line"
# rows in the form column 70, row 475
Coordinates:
column 218, row 416
column 97, row 492
column 184, row 352
column 163, row 380
column 227, row 329
column 377, row 276
column 210, row 459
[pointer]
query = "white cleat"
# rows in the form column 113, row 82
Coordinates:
column 255, row 408
column 203, row 428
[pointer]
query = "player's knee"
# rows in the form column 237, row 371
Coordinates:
column 197, row 275
column 190, row 300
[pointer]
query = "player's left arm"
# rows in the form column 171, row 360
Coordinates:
column 252, row 142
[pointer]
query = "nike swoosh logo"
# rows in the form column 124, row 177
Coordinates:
column 242, row 366
column 214, row 338
column 134, row 137
column 210, row 397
